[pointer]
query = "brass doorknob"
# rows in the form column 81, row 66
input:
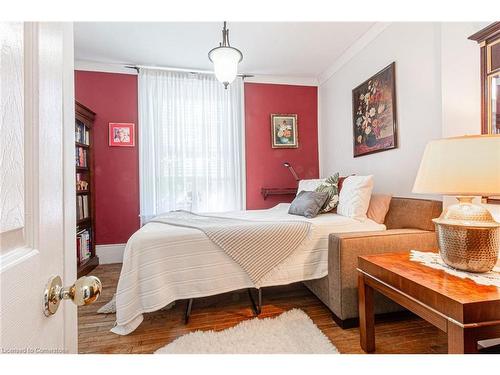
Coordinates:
column 83, row 292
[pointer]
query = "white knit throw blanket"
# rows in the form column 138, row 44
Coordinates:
column 257, row 246
column 434, row 260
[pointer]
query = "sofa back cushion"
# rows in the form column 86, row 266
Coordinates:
column 412, row 213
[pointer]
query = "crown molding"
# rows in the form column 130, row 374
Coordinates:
column 353, row 50
column 94, row 66
column 282, row 80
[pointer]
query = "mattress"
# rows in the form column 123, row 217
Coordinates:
column 164, row 263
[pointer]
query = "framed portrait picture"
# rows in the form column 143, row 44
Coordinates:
column 121, row 134
column 374, row 113
column 284, row 131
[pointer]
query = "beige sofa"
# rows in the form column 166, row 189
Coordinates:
column 409, row 226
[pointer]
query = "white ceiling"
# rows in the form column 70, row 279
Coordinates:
column 295, row 49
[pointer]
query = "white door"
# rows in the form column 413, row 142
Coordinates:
column 37, row 199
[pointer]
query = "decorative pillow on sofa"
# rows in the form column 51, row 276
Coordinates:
column 354, row 198
column 330, row 186
column 309, row 185
column 308, row 203
column 341, row 181
column 378, row 208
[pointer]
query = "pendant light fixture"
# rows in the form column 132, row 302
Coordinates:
column 225, row 59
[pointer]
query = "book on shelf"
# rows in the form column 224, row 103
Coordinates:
column 81, row 157
column 82, row 134
column 83, row 245
column 85, row 206
column 82, row 207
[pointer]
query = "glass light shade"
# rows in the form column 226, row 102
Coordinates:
column 467, row 165
column 225, row 60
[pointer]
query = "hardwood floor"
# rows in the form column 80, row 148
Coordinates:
column 159, row 328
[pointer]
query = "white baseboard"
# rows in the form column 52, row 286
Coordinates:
column 110, row 253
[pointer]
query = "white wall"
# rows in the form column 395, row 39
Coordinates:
column 414, row 47
column 460, row 79
column 437, row 91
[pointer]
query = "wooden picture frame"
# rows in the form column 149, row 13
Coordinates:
column 374, row 115
column 121, row 134
column 284, row 131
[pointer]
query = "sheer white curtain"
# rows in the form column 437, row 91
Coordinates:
column 191, row 143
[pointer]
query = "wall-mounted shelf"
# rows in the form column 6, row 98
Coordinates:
column 277, row 191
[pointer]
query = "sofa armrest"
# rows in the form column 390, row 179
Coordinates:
column 344, row 249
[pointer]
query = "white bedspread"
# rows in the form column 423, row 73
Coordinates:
column 163, row 263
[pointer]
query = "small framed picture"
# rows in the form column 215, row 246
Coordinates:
column 284, row 131
column 121, row 134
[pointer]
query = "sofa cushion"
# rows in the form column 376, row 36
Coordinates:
column 341, row 296
column 412, row 213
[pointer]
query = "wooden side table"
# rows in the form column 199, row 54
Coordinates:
column 466, row 311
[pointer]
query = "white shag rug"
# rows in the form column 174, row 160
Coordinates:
column 293, row 332
column 110, row 307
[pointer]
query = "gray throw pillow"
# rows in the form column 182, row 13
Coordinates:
column 308, row 203
column 330, row 186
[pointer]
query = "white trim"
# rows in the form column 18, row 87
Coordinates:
column 353, row 50
column 319, row 130
column 110, row 253
column 243, row 151
column 175, row 69
column 68, row 152
column 283, row 80
column 93, row 66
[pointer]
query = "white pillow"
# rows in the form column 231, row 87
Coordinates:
column 354, row 198
column 309, row 185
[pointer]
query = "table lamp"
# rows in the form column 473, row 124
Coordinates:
column 464, row 167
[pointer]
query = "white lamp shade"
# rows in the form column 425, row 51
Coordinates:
column 467, row 165
column 225, row 60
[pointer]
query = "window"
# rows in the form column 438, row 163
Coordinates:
column 191, row 143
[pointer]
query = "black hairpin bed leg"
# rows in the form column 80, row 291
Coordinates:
column 256, row 307
column 188, row 311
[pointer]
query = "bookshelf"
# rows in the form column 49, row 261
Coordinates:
column 87, row 259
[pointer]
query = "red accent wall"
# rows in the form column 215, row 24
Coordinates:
column 113, row 97
column 264, row 165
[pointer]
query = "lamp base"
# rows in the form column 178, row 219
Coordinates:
column 468, row 237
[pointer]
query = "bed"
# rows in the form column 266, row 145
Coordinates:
column 163, row 263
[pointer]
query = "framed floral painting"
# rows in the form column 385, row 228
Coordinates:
column 374, row 113
column 284, row 131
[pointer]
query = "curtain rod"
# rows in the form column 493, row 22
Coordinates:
column 194, row 71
